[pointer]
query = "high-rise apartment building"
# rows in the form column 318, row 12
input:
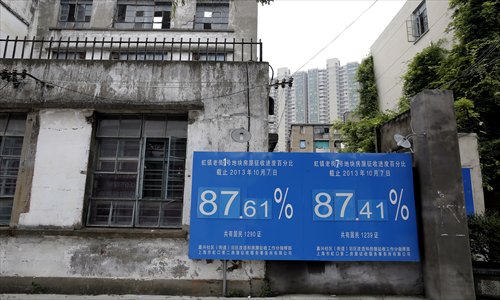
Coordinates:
column 342, row 88
column 318, row 96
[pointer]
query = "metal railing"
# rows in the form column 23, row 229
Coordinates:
column 128, row 49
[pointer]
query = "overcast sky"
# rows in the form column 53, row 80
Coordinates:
column 293, row 31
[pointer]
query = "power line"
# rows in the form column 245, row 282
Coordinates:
column 327, row 45
column 337, row 36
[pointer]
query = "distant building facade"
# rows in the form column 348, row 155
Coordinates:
column 313, row 138
column 416, row 25
column 318, row 96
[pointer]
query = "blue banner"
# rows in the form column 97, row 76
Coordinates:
column 303, row 206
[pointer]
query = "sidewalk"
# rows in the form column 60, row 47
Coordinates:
column 153, row 297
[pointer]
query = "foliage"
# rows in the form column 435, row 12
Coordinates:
column 466, row 115
column 472, row 70
column 424, row 72
column 368, row 103
column 359, row 136
column 490, row 163
column 484, row 235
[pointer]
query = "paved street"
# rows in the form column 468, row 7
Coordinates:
column 152, row 297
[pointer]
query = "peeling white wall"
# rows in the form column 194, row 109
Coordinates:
column 392, row 52
column 59, row 177
column 144, row 259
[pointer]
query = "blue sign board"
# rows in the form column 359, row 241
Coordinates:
column 303, row 206
column 469, row 196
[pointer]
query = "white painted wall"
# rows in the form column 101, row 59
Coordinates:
column 10, row 26
column 469, row 158
column 392, row 52
column 60, row 170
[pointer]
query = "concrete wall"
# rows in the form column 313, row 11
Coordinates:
column 242, row 25
column 468, row 147
column 356, row 278
column 301, row 133
column 392, row 51
column 46, row 239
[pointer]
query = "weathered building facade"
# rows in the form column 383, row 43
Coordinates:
column 100, row 114
column 415, row 26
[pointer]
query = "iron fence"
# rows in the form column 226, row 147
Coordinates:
column 131, row 49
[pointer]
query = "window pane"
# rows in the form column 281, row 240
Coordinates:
column 7, row 186
column 149, row 213
column 177, row 129
column 108, row 148
column 123, row 213
column 172, row 214
column 12, row 146
column 155, row 149
column 128, row 148
column 108, row 128
column 106, row 165
column 130, row 128
column 9, row 167
column 127, row 166
column 99, row 214
column 153, row 180
column 80, row 13
column 3, row 123
column 16, row 125
column 5, row 209
column 155, row 127
column 114, row 186
column 178, row 147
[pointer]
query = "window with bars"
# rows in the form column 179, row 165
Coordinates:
column 212, row 15
column 138, row 175
column 204, row 56
column 70, row 55
column 143, row 14
column 75, row 14
column 418, row 25
column 12, row 128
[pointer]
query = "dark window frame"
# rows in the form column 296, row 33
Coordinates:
column 75, row 13
column 11, row 143
column 142, row 184
column 155, row 15
column 420, row 21
column 213, row 15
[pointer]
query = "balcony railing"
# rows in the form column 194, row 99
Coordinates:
column 129, row 49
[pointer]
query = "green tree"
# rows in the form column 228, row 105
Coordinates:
column 424, row 72
column 473, row 72
column 368, row 103
column 358, row 135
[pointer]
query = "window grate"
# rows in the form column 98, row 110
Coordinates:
column 138, row 176
column 12, row 128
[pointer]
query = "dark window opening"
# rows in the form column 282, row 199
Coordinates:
column 212, row 15
column 143, row 14
column 12, row 128
column 75, row 13
column 418, row 25
column 138, row 175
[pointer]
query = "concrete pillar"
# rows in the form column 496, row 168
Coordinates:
column 446, row 258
